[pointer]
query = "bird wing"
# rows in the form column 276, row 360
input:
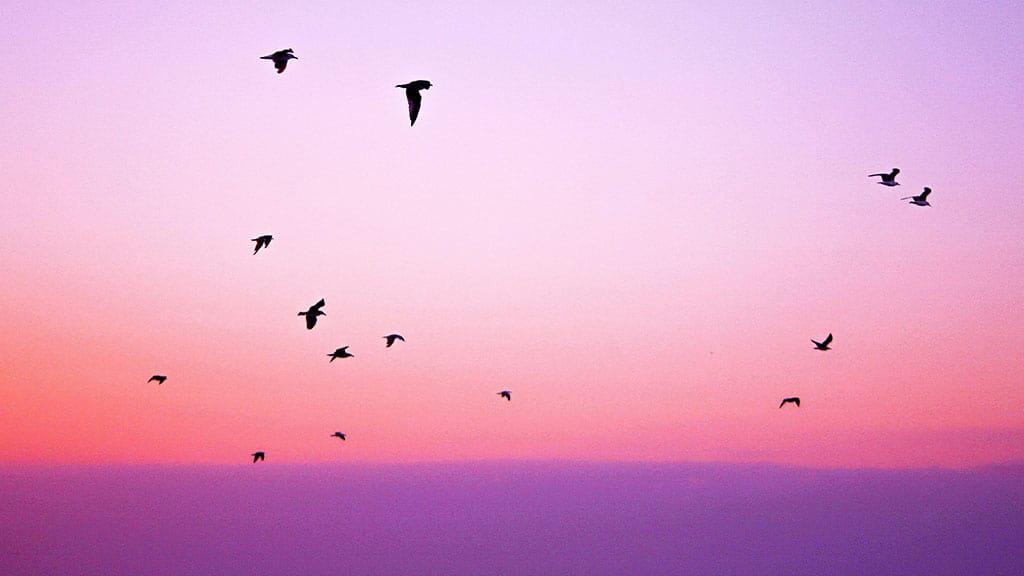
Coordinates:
column 925, row 194
column 415, row 98
column 797, row 402
column 319, row 304
column 782, row 404
column 280, row 64
column 310, row 321
column 873, row 175
column 828, row 339
column 399, row 337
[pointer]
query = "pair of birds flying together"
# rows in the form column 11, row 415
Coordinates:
column 344, row 353
column 412, row 89
column 262, row 456
column 889, row 179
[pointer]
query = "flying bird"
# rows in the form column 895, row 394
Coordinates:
column 921, row 199
column 262, row 242
column 391, row 339
column 506, row 395
column 281, row 58
column 338, row 435
column 257, row 456
column 888, row 179
column 823, row 345
column 341, row 353
column 412, row 94
column 312, row 313
column 793, row 400
column 159, row 379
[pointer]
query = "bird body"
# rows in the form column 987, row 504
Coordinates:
column 506, row 395
column 341, row 353
column 823, row 345
column 391, row 339
column 257, row 456
column 888, row 179
column 338, row 435
column 314, row 311
column 413, row 96
column 281, row 58
column 921, row 199
column 160, row 379
column 262, row 241
column 793, row 400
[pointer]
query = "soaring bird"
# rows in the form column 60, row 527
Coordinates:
column 281, row 58
column 312, row 313
column 888, row 179
column 412, row 94
column 338, row 435
column 921, row 199
column 341, row 353
column 506, row 395
column 793, row 400
column 262, row 242
column 823, row 345
column 159, row 379
column 257, row 456
column 391, row 339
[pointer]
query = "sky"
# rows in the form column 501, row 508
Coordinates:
column 511, row 519
column 635, row 218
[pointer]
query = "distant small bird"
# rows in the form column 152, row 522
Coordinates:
column 506, row 395
column 159, row 379
column 341, row 353
column 823, row 345
column 921, row 199
column 888, row 179
column 312, row 313
column 262, row 242
column 793, row 400
column 281, row 58
column 391, row 339
column 338, row 435
column 412, row 94
column 257, row 456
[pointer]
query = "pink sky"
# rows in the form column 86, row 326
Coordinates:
column 633, row 218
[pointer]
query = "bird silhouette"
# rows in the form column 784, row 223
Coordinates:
column 412, row 94
column 793, row 400
column 159, row 379
column 312, row 313
column 257, row 456
column 888, row 179
column 281, row 58
column 823, row 345
column 341, row 353
column 391, row 339
column 506, row 395
column 338, row 435
column 262, row 242
column 921, row 199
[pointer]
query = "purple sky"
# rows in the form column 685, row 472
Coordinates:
column 633, row 215
column 515, row 519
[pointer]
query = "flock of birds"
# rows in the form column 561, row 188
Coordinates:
column 415, row 99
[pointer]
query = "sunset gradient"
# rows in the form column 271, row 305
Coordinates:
column 635, row 218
